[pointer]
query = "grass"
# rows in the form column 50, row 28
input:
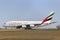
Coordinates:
column 30, row 34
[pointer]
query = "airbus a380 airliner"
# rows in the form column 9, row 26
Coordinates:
column 30, row 24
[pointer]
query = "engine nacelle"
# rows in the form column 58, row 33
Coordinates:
column 25, row 26
column 18, row 27
column 32, row 25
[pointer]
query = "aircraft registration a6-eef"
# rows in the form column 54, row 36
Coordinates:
column 31, row 24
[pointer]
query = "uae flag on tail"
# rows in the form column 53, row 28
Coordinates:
column 49, row 17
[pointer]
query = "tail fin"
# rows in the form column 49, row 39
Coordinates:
column 49, row 17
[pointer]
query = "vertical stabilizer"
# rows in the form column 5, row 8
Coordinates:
column 48, row 18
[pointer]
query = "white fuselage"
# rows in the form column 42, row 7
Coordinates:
column 18, row 23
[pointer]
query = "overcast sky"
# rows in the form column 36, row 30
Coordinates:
column 11, row 10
